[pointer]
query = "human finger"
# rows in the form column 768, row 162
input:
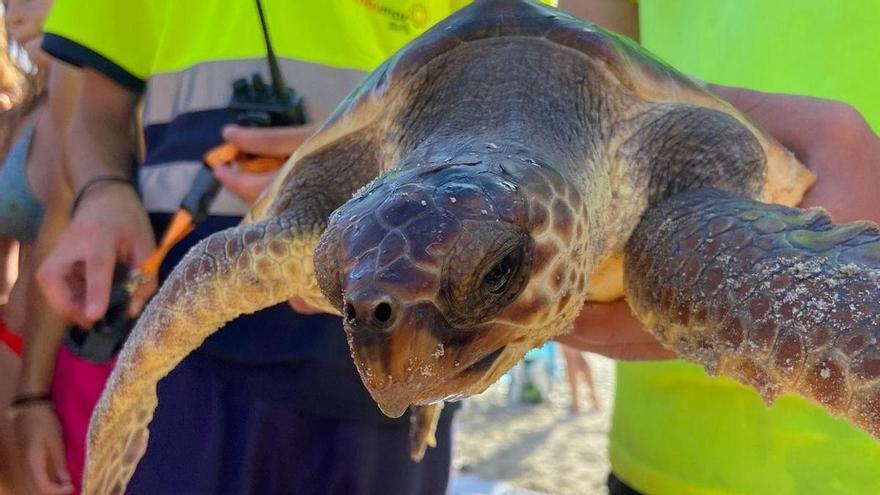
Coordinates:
column 142, row 293
column 632, row 351
column 611, row 329
column 303, row 308
column 57, row 277
column 99, row 266
column 246, row 186
column 268, row 141
column 58, row 465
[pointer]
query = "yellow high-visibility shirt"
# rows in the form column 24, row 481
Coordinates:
column 675, row 429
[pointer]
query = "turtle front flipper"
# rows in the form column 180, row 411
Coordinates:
column 233, row 272
column 779, row 298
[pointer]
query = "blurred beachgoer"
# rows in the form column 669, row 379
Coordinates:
column 576, row 366
column 55, row 392
column 531, row 379
column 272, row 402
column 12, row 84
column 21, row 102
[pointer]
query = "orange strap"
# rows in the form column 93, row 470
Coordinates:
column 253, row 164
column 181, row 224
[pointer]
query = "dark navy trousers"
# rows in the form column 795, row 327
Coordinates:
column 212, row 435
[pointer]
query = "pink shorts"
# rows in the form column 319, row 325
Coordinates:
column 76, row 387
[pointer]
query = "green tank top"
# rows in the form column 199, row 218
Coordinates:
column 676, row 430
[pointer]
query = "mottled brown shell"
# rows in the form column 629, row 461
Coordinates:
column 645, row 75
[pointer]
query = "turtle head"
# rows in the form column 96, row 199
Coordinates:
column 435, row 270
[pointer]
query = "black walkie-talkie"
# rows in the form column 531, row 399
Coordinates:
column 255, row 104
column 258, row 105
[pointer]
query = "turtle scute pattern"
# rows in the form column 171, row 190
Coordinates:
column 779, row 298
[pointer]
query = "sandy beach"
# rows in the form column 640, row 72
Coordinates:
column 540, row 447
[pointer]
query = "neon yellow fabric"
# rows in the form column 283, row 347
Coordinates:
column 676, row 430
column 149, row 37
column 128, row 43
column 812, row 47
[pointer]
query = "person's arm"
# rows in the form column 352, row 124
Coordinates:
column 8, row 272
column 110, row 224
column 37, row 429
column 830, row 138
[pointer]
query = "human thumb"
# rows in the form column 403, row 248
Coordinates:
column 246, row 186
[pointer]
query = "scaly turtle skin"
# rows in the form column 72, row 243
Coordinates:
column 524, row 162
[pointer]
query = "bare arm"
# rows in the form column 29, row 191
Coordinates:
column 110, row 223
column 43, row 327
column 8, row 262
column 37, row 428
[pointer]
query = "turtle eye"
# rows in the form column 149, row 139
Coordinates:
column 480, row 279
column 499, row 277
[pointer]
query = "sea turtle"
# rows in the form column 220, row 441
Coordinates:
column 462, row 204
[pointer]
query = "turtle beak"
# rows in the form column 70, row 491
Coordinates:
column 394, row 349
column 411, row 356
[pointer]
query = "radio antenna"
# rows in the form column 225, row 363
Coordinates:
column 278, row 84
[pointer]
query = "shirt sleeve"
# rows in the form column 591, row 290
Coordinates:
column 117, row 38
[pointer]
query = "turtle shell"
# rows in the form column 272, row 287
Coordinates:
column 373, row 101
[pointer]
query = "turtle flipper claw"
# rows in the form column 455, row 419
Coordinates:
column 781, row 299
column 423, row 426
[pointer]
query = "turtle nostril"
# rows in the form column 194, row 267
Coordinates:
column 370, row 309
column 350, row 313
column 383, row 312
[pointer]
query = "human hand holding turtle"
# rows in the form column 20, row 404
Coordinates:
column 260, row 141
column 830, row 138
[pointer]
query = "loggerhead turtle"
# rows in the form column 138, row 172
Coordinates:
column 483, row 183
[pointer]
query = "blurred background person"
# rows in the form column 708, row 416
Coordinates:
column 23, row 189
column 55, row 392
column 50, row 429
column 577, row 368
column 37, row 185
